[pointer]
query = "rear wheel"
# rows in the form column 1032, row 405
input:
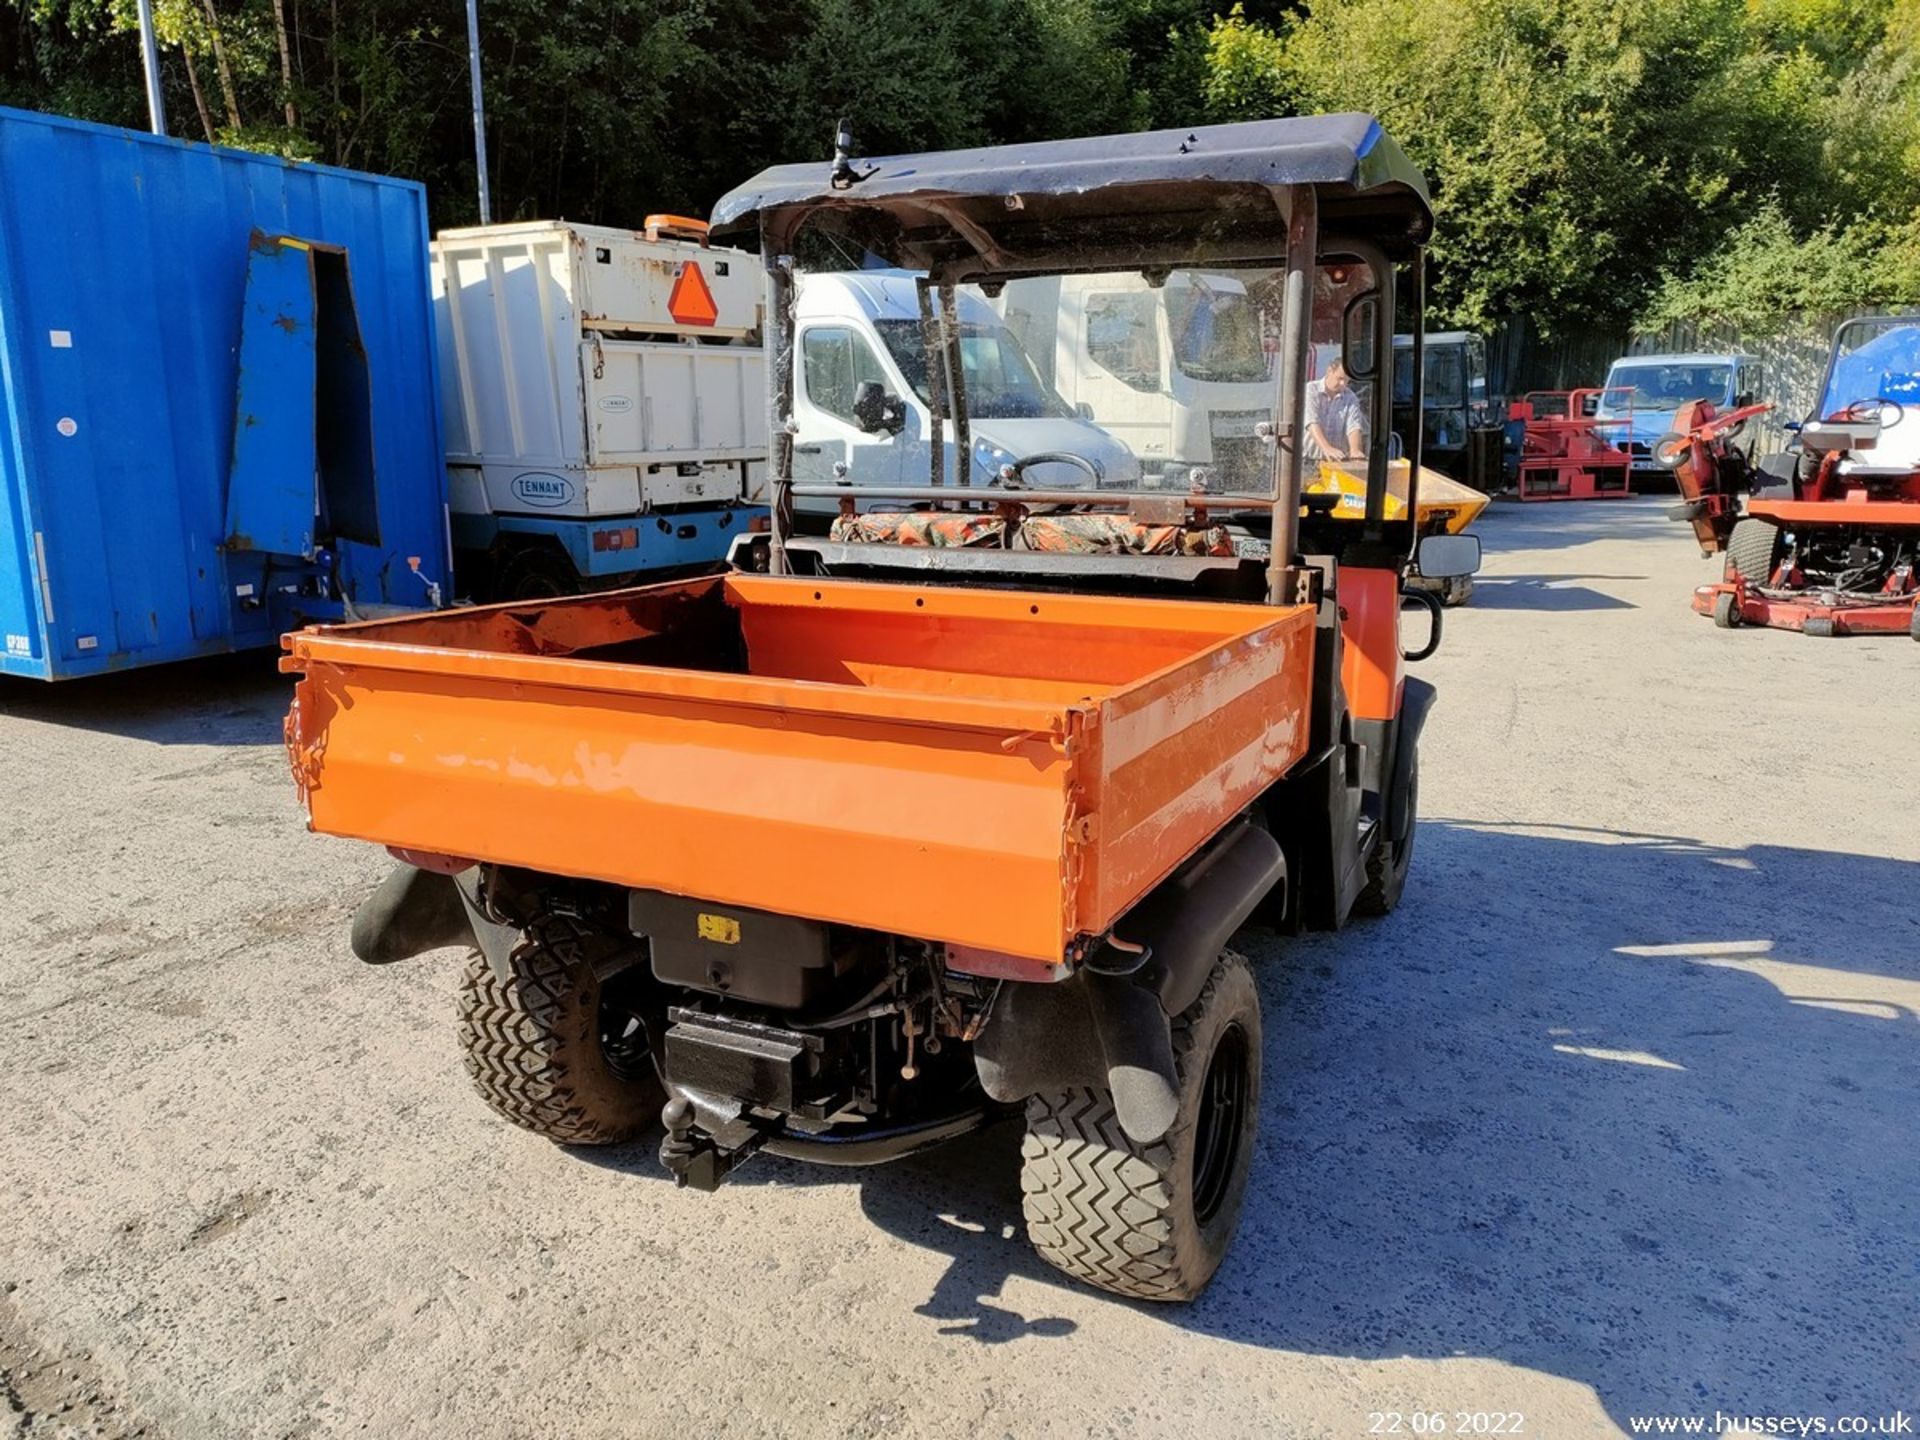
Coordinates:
column 1153, row 1221
column 536, row 573
column 1753, row 550
column 553, row 1047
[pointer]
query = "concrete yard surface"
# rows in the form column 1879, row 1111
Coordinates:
column 1614, row 1118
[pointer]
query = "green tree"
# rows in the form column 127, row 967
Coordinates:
column 1572, row 149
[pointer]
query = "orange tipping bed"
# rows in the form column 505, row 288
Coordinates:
column 996, row 770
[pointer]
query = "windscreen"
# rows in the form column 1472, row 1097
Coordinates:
column 1454, row 379
column 1446, row 376
column 1001, row 381
column 1216, row 332
column 1876, row 374
column 1659, row 385
column 1156, row 378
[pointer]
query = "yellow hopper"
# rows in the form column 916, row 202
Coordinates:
column 1446, row 506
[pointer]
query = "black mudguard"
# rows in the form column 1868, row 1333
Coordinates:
column 1114, row 1032
column 1416, row 700
column 413, row 911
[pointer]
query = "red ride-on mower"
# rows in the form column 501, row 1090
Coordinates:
column 1828, row 539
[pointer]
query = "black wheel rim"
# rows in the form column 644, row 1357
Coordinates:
column 625, row 1045
column 1220, row 1131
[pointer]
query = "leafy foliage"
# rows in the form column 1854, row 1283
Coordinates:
column 1590, row 164
column 607, row 111
column 1579, row 153
column 1766, row 270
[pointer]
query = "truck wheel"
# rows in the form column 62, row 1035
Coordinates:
column 1753, row 550
column 536, row 573
column 1391, row 859
column 552, row 1048
column 1153, row 1221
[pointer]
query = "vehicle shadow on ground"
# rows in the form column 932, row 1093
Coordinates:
column 1519, row 525
column 1629, row 1110
column 222, row 700
column 1552, row 593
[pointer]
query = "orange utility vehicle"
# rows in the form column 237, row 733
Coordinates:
column 881, row 835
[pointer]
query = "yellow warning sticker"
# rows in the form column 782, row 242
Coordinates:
column 721, row 928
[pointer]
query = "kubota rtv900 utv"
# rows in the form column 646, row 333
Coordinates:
column 954, row 812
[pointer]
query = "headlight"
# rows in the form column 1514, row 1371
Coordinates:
column 988, row 458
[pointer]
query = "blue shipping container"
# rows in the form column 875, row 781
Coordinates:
column 158, row 498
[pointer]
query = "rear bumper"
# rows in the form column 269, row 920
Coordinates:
column 621, row 544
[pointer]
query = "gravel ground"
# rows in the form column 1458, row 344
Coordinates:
column 1616, row 1116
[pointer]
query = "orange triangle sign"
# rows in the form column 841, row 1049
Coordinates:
column 691, row 302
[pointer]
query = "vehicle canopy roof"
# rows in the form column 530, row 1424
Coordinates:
column 1192, row 196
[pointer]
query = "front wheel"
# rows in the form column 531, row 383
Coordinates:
column 1754, row 548
column 1153, row 1221
column 1392, row 857
column 553, row 1047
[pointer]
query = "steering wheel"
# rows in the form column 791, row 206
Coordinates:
column 1014, row 474
column 1871, row 409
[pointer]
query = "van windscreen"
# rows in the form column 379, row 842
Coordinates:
column 1001, row 381
column 1655, row 386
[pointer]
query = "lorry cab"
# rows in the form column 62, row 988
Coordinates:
column 1177, row 369
column 1455, row 405
column 863, row 329
column 1647, row 391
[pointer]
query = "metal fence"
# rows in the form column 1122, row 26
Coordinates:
column 1520, row 358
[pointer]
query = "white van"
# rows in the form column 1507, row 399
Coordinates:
column 1647, row 392
column 1179, row 371
column 865, row 327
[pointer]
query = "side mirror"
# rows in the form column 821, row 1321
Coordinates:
column 1448, row 557
column 1083, row 410
column 1356, row 334
column 875, row 410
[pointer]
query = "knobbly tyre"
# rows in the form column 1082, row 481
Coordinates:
column 883, row 834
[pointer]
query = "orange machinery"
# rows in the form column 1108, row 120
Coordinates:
column 850, row 850
column 1567, row 450
column 865, row 755
column 1824, row 538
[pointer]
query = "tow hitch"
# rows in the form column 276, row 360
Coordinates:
column 694, row 1157
column 736, row 1084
